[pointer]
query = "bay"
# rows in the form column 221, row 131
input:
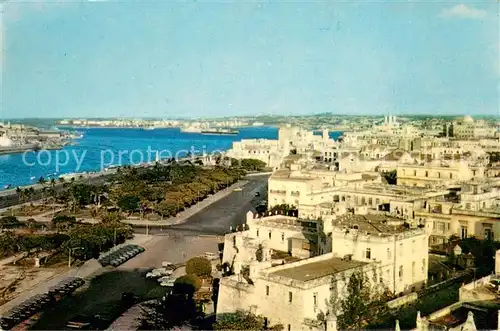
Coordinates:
column 101, row 147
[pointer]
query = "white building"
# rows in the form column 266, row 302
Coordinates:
column 390, row 254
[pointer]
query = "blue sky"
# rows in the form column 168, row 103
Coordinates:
column 161, row 59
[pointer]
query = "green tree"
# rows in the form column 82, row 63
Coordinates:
column 363, row 305
column 283, row 209
column 42, row 180
column 199, row 266
column 176, row 309
column 391, row 177
column 243, row 320
column 259, row 253
column 9, row 222
column 252, row 164
column 63, row 223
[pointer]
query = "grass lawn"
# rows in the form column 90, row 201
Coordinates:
column 102, row 297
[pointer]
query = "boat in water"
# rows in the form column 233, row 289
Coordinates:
column 191, row 129
column 220, row 132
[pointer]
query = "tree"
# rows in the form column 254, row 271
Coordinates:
column 176, row 309
column 129, row 203
column 364, row 303
column 111, row 218
column 42, row 180
column 284, row 209
column 199, row 266
column 62, row 222
column 259, row 253
column 391, row 177
column 243, row 320
column 9, row 222
column 252, row 164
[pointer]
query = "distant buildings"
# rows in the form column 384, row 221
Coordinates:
column 350, row 219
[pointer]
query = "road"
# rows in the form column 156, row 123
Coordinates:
column 177, row 243
column 217, row 217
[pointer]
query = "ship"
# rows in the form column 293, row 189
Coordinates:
column 220, row 131
column 191, row 129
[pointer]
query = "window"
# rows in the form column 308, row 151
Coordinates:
column 257, row 232
column 413, row 246
column 463, row 231
column 282, row 236
column 368, row 253
column 414, row 172
column 315, row 299
column 426, row 174
column 290, row 297
column 423, row 265
column 451, row 175
column 400, row 271
column 269, row 234
column 389, row 255
column 413, row 268
column 439, row 175
column 401, row 249
column 488, row 234
column 267, row 289
column 289, row 327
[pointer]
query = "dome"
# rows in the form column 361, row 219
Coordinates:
column 5, row 142
column 468, row 119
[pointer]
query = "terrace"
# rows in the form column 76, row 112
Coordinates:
column 318, row 269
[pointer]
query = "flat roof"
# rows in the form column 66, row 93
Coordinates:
column 319, row 269
column 372, row 223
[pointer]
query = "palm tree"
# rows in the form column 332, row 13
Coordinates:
column 19, row 193
column 41, row 180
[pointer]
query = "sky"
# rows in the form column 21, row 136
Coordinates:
column 237, row 58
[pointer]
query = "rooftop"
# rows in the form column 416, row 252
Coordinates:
column 372, row 223
column 485, row 317
column 314, row 270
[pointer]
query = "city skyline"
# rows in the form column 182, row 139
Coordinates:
column 135, row 60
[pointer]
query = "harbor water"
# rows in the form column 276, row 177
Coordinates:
column 101, row 147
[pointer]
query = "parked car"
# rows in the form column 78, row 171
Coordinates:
column 168, row 283
column 210, row 256
column 166, row 264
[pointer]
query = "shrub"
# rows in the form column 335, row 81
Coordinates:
column 199, row 266
column 187, row 284
column 9, row 222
